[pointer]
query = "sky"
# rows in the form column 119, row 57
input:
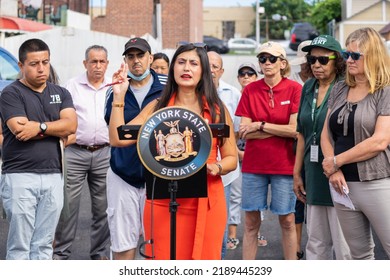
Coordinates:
column 206, row 3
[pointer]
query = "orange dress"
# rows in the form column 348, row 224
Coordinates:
column 200, row 222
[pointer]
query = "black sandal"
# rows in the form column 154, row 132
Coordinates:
column 300, row 255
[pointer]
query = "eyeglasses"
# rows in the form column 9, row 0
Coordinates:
column 271, row 58
column 271, row 101
column 323, row 60
column 353, row 55
column 250, row 73
column 197, row 45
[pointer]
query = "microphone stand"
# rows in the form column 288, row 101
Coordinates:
column 172, row 188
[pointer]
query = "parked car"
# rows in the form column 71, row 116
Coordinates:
column 215, row 44
column 9, row 68
column 301, row 31
column 261, row 38
column 242, row 44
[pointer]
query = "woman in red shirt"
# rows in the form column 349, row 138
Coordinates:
column 268, row 109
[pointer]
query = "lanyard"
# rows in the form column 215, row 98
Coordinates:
column 314, row 117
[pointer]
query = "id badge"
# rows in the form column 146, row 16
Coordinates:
column 314, row 153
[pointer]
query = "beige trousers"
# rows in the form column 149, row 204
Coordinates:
column 372, row 202
column 325, row 237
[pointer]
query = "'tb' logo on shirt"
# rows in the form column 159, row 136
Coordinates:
column 55, row 99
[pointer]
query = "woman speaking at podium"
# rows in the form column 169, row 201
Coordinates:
column 200, row 221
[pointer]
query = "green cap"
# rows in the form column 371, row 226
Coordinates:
column 324, row 41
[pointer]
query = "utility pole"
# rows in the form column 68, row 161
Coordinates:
column 44, row 12
column 259, row 10
column 257, row 22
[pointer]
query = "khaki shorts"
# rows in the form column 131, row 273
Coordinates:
column 125, row 212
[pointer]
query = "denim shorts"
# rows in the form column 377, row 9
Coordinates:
column 255, row 193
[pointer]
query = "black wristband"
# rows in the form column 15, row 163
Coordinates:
column 262, row 126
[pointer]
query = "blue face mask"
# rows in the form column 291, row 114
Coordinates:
column 139, row 78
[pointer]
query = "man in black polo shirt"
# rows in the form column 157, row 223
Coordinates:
column 36, row 115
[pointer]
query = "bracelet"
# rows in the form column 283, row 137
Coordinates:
column 120, row 105
column 219, row 168
column 335, row 166
column 261, row 128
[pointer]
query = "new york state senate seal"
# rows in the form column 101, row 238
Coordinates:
column 174, row 143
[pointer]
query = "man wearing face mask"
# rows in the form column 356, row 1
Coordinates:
column 125, row 177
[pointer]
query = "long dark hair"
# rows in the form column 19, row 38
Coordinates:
column 204, row 88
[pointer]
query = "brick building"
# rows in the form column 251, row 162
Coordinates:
column 81, row 6
column 168, row 21
column 180, row 20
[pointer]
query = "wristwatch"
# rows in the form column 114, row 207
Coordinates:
column 261, row 128
column 43, row 128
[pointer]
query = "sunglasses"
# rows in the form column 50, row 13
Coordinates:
column 353, row 55
column 271, row 58
column 250, row 73
column 323, row 60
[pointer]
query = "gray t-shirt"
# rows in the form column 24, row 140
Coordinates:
column 140, row 93
column 367, row 112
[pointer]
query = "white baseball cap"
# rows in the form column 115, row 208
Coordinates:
column 301, row 55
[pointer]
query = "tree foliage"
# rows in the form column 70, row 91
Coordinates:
column 317, row 12
column 293, row 10
column 325, row 11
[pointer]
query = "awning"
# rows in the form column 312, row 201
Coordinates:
column 21, row 24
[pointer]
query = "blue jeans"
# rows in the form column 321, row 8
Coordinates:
column 225, row 235
column 255, row 193
column 33, row 204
